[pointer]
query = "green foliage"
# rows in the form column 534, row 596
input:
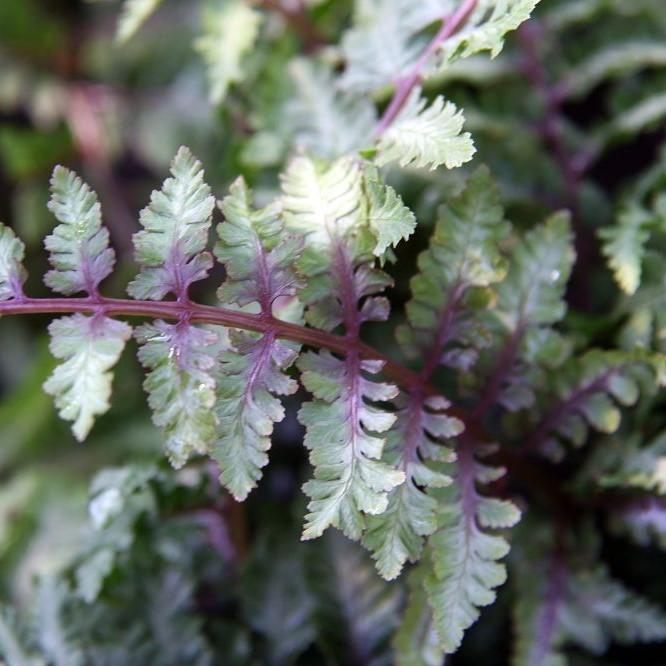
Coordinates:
column 426, row 136
column 561, row 604
column 314, row 115
column 489, row 22
column 533, row 292
column 586, row 388
column 463, row 567
column 181, row 385
column 176, row 224
column 89, row 347
column 341, row 433
column 79, row 245
column 365, row 226
column 413, row 445
column 463, row 254
column 259, row 261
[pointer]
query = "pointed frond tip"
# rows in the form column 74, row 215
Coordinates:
column 170, row 248
column 541, row 263
column 252, row 375
column 257, row 253
column 464, row 253
column 259, row 258
column 485, row 30
column 79, row 246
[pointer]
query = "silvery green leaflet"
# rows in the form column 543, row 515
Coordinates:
column 413, row 429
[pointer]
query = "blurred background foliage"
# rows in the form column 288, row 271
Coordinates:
column 182, row 574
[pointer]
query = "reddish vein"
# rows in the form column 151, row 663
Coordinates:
column 564, row 408
column 405, row 85
column 502, row 369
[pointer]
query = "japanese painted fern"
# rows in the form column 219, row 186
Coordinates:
column 411, row 457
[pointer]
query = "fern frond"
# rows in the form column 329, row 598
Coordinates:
column 277, row 599
column 540, row 579
column 181, row 385
column 618, row 614
column 119, row 498
column 586, row 388
column 416, row 642
column 415, row 446
column 259, row 259
column 322, row 202
column 585, row 608
column 634, row 464
column 642, row 520
column 325, row 204
column 15, row 645
column 624, row 246
column 426, row 136
column 79, row 246
column 484, row 30
column 176, row 224
column 12, row 272
column 255, row 251
column 312, row 115
column 529, row 301
column 54, row 637
column 574, row 12
column 390, row 221
column 611, row 62
column 230, row 30
column 89, row 347
column 463, row 254
column 354, row 611
column 345, row 449
column 464, row 554
column 533, row 292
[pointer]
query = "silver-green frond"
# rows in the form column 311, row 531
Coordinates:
column 388, row 218
column 259, row 258
column 251, row 377
column 465, row 552
column 425, row 135
column 12, row 272
column 322, row 201
column 181, row 385
column 540, row 265
column 484, row 30
column 624, row 246
column 415, row 445
column 343, row 437
column 79, row 246
column 89, row 347
column 175, row 232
